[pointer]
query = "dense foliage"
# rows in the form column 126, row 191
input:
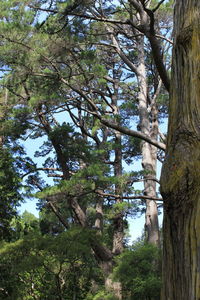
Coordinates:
column 139, row 272
column 61, row 266
column 84, row 88
column 9, row 192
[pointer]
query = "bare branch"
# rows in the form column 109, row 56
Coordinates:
column 56, row 212
column 55, row 175
column 100, row 19
column 112, row 125
column 100, row 193
column 133, row 133
column 158, row 5
column 157, row 55
column 123, row 55
column 164, row 38
column 41, row 169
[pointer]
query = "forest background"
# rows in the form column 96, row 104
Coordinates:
column 90, row 79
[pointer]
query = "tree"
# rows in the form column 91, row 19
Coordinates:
column 12, row 126
column 9, row 192
column 180, row 174
column 63, row 66
column 9, row 177
column 48, row 267
column 139, row 274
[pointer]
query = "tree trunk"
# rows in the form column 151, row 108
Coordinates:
column 103, row 255
column 149, row 152
column 118, row 222
column 99, row 216
column 181, row 171
column 114, row 287
column 3, row 113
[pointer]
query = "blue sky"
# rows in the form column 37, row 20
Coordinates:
column 136, row 225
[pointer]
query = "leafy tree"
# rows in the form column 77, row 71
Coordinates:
column 48, row 221
column 138, row 271
column 37, row 267
column 9, row 192
column 97, row 64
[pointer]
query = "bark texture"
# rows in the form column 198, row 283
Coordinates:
column 181, row 172
column 118, row 222
column 149, row 152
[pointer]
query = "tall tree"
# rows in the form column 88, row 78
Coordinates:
column 68, row 63
column 180, row 175
column 10, row 182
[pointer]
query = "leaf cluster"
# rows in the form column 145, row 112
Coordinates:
column 46, row 262
column 139, row 272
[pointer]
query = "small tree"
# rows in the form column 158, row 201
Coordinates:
column 139, row 271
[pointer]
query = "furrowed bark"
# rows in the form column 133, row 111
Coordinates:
column 180, row 175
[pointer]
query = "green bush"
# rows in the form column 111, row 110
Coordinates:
column 101, row 295
column 138, row 269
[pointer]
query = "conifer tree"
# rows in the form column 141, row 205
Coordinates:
column 93, row 62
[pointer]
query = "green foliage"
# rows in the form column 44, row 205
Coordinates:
column 10, row 197
column 101, row 295
column 85, row 180
column 138, row 269
column 15, row 123
column 119, row 208
column 23, row 225
column 49, row 223
column 54, row 63
column 59, row 266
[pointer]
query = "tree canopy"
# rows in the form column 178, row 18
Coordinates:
column 87, row 83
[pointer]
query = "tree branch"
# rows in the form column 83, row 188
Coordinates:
column 123, row 55
column 133, row 133
column 41, row 169
column 156, row 51
column 147, row 27
column 56, row 212
column 164, row 38
column 158, row 5
column 112, row 125
column 127, row 197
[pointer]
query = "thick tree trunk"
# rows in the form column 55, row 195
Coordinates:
column 149, row 152
column 181, row 172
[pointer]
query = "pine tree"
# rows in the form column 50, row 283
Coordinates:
column 92, row 66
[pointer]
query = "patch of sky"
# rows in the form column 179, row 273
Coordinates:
column 136, row 224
